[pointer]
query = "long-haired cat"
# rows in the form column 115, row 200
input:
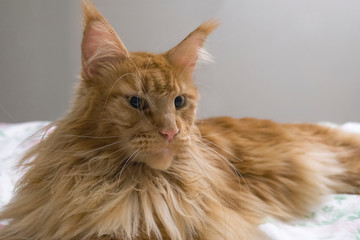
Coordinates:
column 131, row 162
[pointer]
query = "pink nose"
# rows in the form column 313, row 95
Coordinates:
column 169, row 134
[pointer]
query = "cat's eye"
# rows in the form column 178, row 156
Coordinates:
column 137, row 102
column 179, row 101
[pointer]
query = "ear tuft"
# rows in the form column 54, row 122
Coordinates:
column 190, row 51
column 90, row 12
column 208, row 27
column 100, row 42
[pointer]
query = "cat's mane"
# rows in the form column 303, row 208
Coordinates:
column 178, row 203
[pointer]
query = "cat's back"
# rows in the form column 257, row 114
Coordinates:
column 233, row 130
column 238, row 124
column 259, row 130
column 249, row 137
column 267, row 139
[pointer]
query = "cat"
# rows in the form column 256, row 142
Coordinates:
column 130, row 161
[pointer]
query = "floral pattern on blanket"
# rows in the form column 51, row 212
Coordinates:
column 337, row 218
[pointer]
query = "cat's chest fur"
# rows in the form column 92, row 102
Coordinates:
column 178, row 204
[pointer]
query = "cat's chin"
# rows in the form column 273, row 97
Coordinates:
column 161, row 160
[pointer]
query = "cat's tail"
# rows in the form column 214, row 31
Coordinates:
column 347, row 147
column 344, row 146
column 327, row 161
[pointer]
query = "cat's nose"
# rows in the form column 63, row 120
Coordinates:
column 169, row 134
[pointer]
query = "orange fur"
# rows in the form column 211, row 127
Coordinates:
column 107, row 173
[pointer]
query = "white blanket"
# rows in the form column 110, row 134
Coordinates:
column 337, row 218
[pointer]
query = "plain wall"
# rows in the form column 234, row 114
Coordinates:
column 290, row 61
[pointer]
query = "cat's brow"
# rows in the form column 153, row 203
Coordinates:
column 159, row 82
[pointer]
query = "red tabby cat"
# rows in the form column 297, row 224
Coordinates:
column 131, row 162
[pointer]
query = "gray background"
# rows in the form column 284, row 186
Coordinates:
column 286, row 60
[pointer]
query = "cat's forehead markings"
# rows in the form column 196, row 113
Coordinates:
column 149, row 74
column 159, row 81
column 125, row 84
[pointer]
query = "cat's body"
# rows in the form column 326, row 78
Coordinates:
column 130, row 161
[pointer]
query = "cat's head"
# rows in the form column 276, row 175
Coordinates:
column 148, row 100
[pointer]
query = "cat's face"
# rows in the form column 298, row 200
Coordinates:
column 151, row 106
column 148, row 100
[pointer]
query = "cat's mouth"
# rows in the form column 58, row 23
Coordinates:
column 160, row 160
column 157, row 154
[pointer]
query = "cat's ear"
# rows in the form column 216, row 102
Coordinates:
column 100, row 43
column 190, row 50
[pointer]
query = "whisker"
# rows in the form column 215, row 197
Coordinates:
column 184, row 70
column 230, row 153
column 208, row 87
column 139, row 77
column 221, row 156
column 218, row 133
column 162, row 44
column 85, row 136
column 124, row 75
column 7, row 113
column 143, row 115
column 110, row 154
column 117, row 80
column 129, row 159
column 136, row 67
column 144, row 90
column 235, row 170
column 197, row 161
column 103, row 147
column 216, row 191
column 92, row 150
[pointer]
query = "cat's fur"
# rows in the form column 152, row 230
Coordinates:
column 108, row 170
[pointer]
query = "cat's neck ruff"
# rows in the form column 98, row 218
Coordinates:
column 152, row 202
